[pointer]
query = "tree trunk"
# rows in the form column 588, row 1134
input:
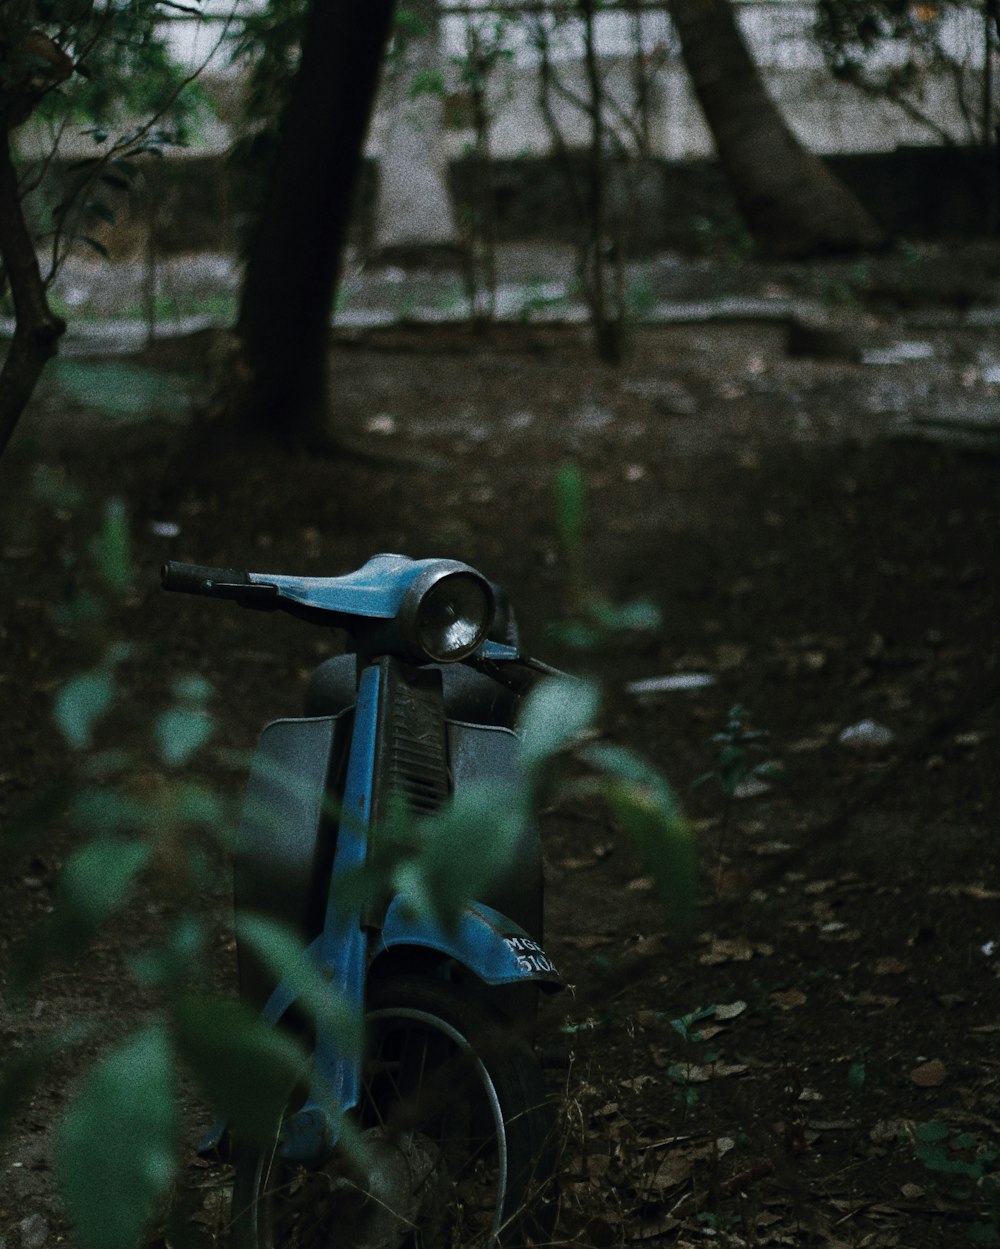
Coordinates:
column 792, row 204
column 36, row 338
column 413, row 211
column 295, row 254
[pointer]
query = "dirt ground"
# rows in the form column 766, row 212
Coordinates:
column 816, row 1062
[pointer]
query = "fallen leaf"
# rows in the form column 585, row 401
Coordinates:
column 789, row 999
column 639, row 1083
column 806, row 744
column 875, row 999
column 732, row 950
column 701, row 1073
column 597, row 1166
column 730, row 1011
column 912, row 1192
column 889, row 966
column 677, row 1165
column 929, row 1075
column 888, row 1131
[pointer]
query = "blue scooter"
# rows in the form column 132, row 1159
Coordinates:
column 447, row 1099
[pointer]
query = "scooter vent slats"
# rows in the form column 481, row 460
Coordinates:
column 414, row 753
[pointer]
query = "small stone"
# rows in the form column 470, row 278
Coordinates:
column 34, row 1232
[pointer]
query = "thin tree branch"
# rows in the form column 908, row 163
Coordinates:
column 38, row 331
column 129, row 145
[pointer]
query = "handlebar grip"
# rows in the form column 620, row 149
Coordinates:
column 199, row 578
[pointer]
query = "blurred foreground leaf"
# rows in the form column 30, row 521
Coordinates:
column 462, row 850
column 247, row 1068
column 181, row 732
column 119, row 391
column 282, row 953
column 111, row 548
column 116, row 1146
column 81, row 702
column 554, row 715
column 644, row 804
column 95, row 882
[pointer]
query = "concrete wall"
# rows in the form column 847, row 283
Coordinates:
column 828, row 117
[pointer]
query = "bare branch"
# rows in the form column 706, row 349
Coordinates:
column 177, row 7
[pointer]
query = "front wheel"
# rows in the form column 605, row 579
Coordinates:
column 456, row 1141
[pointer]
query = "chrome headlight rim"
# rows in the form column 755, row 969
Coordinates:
column 413, row 624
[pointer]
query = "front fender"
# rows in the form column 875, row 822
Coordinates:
column 489, row 944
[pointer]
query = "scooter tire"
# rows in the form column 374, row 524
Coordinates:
column 460, row 1133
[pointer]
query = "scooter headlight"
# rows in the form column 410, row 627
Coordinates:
column 448, row 613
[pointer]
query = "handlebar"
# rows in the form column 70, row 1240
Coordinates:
column 503, row 662
column 228, row 583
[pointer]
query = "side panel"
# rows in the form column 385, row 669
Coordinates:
column 286, row 834
column 481, row 753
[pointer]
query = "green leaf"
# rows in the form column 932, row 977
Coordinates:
column 684, row 1022
column 935, row 1130
column 116, row 1146
column 245, row 1067
column 50, row 486
column 111, row 548
column 171, row 962
column 192, row 689
column 462, row 850
column 427, row 82
column 638, row 615
column 857, row 1073
column 570, row 506
column 181, row 732
column 196, row 804
column 936, row 1158
column 644, row 804
column 81, row 702
column 282, row 954
column 104, row 811
column 555, row 714
column 119, row 391
column 96, row 880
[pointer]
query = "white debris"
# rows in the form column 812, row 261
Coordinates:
column 898, row 353
column 867, row 735
column 752, row 787
column 381, row 424
column 664, row 685
column 164, row 528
